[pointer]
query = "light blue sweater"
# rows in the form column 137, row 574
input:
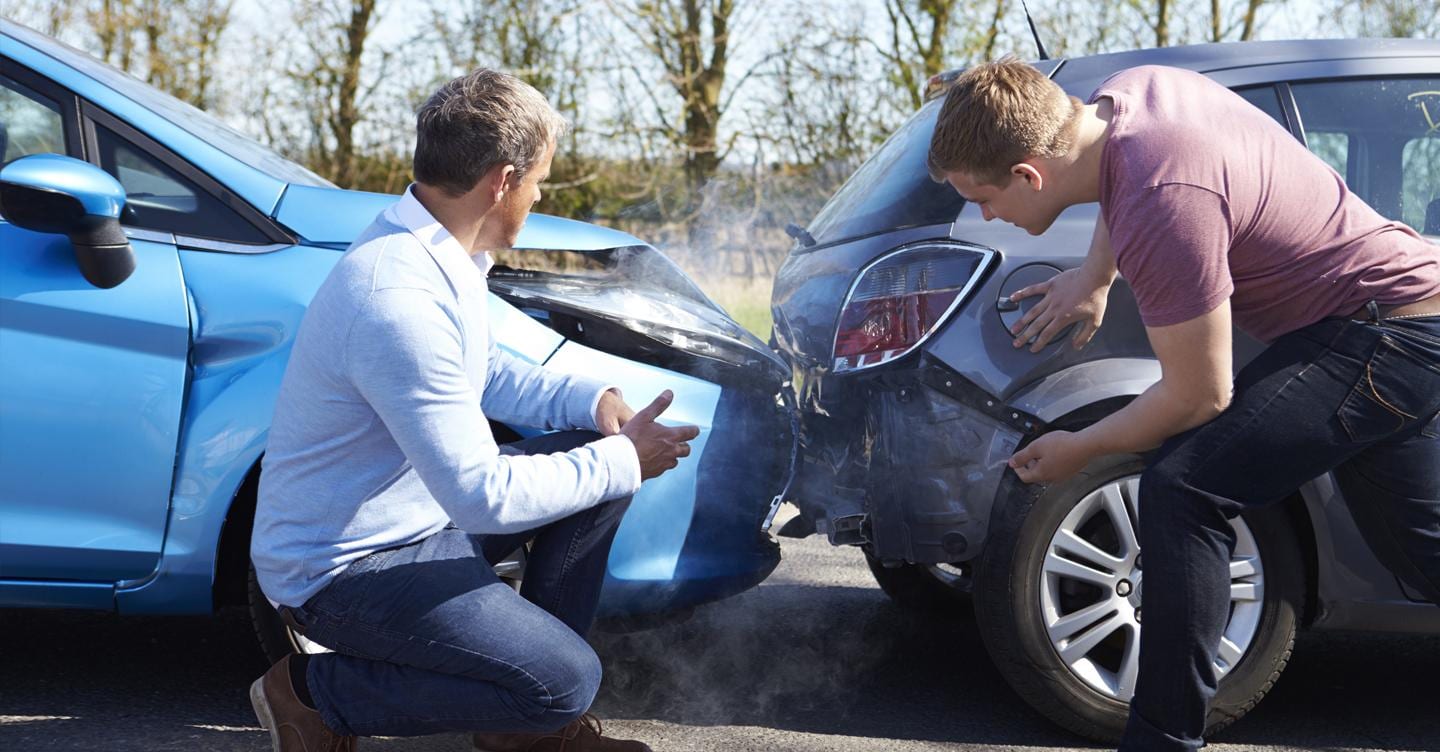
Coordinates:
column 380, row 435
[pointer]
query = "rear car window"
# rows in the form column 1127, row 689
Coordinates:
column 892, row 190
column 1383, row 136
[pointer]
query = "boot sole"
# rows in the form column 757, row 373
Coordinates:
column 262, row 713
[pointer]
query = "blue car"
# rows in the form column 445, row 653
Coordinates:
column 154, row 267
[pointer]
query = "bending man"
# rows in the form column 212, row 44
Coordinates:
column 1214, row 213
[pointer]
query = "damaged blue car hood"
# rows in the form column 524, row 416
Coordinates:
column 334, row 217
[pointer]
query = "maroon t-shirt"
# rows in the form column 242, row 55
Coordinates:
column 1208, row 198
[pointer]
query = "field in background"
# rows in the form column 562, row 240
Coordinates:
column 747, row 299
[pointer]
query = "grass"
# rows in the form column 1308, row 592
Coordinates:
column 747, row 299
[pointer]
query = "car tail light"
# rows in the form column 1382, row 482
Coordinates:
column 901, row 298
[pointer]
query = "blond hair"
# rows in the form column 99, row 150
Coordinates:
column 998, row 114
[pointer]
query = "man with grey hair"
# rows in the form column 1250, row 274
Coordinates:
column 385, row 500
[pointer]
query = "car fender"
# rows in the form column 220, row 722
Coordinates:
column 1068, row 390
column 246, row 309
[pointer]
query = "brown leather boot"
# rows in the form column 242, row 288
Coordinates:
column 581, row 735
column 293, row 727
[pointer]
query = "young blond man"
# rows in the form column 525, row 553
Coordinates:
column 1216, row 216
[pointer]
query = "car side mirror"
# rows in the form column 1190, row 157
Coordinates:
column 57, row 194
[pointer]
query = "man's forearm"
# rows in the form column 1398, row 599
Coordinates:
column 1099, row 262
column 1149, row 420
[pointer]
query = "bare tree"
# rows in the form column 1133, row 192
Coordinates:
column 691, row 42
column 1243, row 17
column 52, row 17
column 327, row 80
column 529, row 38
column 1389, row 18
column 926, row 37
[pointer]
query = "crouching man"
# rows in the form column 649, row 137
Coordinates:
column 1215, row 214
column 385, row 499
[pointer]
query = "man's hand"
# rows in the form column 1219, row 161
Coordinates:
column 612, row 413
column 1074, row 295
column 1053, row 457
column 658, row 447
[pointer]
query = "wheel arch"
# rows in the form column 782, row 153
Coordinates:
column 232, row 552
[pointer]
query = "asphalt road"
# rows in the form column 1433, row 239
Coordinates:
column 815, row 659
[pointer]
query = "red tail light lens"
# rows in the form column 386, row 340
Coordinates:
column 901, row 298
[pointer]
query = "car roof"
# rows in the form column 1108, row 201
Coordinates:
column 1208, row 58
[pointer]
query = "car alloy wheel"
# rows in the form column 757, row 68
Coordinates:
column 1091, row 585
column 1057, row 597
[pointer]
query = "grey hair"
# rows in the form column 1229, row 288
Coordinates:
column 478, row 121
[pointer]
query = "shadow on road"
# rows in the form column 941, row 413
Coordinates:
column 824, row 660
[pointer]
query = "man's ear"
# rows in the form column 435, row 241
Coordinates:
column 497, row 181
column 1029, row 173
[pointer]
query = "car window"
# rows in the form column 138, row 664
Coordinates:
column 1420, row 191
column 1383, row 136
column 892, row 189
column 158, row 197
column 1266, row 99
column 30, row 123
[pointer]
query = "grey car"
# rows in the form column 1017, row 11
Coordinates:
column 892, row 310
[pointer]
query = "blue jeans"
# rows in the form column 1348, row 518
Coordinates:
column 428, row 639
column 1358, row 398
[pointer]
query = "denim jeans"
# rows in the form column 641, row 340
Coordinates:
column 428, row 639
column 1358, row 398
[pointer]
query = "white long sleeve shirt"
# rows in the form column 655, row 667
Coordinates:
column 380, row 436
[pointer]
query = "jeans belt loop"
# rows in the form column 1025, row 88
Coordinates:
column 1373, row 309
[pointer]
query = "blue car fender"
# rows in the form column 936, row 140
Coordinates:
column 246, row 310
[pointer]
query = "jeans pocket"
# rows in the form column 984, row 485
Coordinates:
column 1432, row 429
column 1398, row 388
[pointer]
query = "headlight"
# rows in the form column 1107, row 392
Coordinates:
column 901, row 298
column 636, row 288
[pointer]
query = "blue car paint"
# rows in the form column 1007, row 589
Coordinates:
column 312, row 214
column 247, row 310
column 99, row 194
column 237, row 314
column 523, row 336
column 93, row 383
column 647, row 545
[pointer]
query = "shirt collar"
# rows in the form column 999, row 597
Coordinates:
column 410, row 214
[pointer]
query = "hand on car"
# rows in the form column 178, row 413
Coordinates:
column 612, row 413
column 659, row 447
column 1053, row 457
column 1070, row 296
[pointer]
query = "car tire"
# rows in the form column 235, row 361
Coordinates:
column 922, row 588
column 1020, row 588
column 276, row 639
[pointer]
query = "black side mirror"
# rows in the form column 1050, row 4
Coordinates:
column 57, row 194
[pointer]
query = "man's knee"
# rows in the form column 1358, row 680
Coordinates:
column 573, row 684
column 1170, row 504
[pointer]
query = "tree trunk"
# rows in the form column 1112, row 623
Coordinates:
column 347, row 114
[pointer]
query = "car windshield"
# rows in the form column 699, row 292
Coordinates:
column 892, row 190
column 197, row 122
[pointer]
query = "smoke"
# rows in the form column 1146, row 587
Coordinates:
column 746, row 661
column 798, row 651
